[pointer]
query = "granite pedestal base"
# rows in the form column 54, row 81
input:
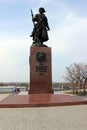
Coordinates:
column 40, row 70
column 41, row 100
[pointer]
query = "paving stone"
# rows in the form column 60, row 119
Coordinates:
column 44, row 118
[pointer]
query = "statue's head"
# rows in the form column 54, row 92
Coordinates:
column 42, row 10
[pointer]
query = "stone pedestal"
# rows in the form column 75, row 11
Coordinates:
column 40, row 70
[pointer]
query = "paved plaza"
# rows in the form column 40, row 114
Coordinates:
column 44, row 118
column 2, row 96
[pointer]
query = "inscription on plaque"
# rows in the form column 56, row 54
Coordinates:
column 41, row 68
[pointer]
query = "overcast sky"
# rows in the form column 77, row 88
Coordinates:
column 67, row 36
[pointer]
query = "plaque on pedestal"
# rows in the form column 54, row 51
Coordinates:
column 40, row 70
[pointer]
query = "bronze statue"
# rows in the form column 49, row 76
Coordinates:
column 41, row 27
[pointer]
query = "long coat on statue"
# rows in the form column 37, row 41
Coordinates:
column 41, row 27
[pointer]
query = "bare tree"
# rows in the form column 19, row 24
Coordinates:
column 76, row 74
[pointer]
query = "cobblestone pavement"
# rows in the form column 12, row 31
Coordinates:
column 44, row 118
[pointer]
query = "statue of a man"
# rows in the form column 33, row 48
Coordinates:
column 41, row 27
